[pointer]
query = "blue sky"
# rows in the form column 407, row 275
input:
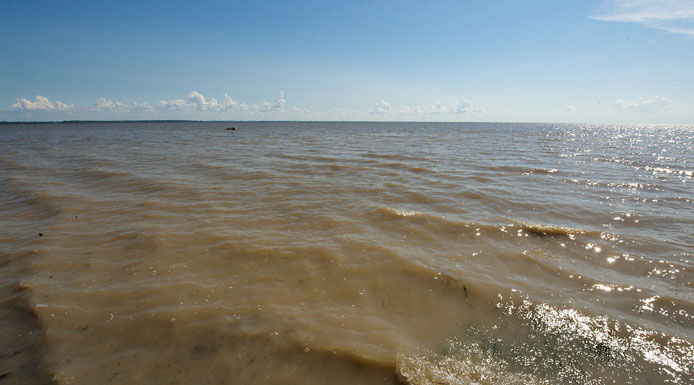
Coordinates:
column 616, row 61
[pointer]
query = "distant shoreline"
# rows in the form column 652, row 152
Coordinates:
column 243, row 121
column 101, row 121
column 7, row 123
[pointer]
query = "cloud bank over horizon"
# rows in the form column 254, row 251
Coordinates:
column 195, row 102
column 197, row 105
column 40, row 103
column 653, row 105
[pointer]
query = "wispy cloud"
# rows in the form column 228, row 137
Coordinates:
column 277, row 106
column 141, row 107
column 653, row 105
column 107, row 105
column 383, row 107
column 104, row 104
column 437, row 108
column 674, row 16
column 459, row 107
column 40, row 103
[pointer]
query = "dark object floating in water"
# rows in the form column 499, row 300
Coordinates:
column 231, row 128
column 40, row 234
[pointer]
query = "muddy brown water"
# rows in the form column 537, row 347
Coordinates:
column 346, row 253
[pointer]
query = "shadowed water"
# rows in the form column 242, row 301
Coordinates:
column 343, row 253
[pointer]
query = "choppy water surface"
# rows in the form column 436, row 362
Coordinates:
column 343, row 253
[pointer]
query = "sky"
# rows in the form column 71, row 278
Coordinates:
column 593, row 61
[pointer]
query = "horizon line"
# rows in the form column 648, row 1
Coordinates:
column 79, row 121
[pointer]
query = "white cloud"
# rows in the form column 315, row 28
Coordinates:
column 300, row 111
column 40, row 103
column 197, row 99
column 653, row 105
column 674, row 16
column 280, row 103
column 277, row 106
column 176, row 105
column 383, row 107
column 102, row 105
column 437, row 108
column 197, row 105
column 265, row 107
column 463, row 106
column 105, row 104
column 568, row 109
column 198, row 102
column 459, row 107
column 228, row 102
column 141, row 107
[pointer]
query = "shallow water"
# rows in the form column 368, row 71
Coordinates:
column 342, row 253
